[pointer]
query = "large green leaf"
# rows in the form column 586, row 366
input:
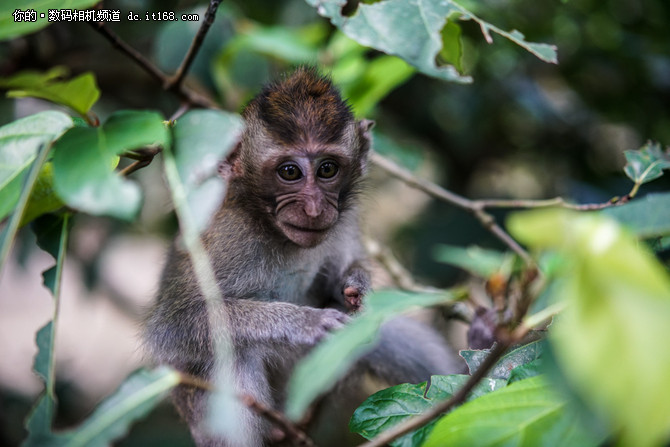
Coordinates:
column 10, row 28
column 332, row 358
column 19, row 143
column 389, row 407
column 224, row 405
column 526, row 413
column 412, row 30
column 134, row 399
column 647, row 163
column 202, row 138
column 79, row 93
column 648, row 216
column 84, row 159
column 611, row 340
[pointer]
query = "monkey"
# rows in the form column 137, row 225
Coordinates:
column 286, row 251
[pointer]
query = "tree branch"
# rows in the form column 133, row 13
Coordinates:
column 278, row 419
column 184, row 93
column 471, row 206
column 129, row 51
column 196, row 43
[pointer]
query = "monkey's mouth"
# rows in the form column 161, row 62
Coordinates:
column 306, row 229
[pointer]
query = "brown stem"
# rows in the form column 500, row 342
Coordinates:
column 289, row 428
column 191, row 97
column 471, row 206
column 131, row 52
column 196, row 43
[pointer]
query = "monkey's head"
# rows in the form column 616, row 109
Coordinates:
column 300, row 158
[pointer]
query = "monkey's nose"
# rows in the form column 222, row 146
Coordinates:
column 312, row 208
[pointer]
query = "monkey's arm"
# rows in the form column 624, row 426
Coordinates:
column 178, row 330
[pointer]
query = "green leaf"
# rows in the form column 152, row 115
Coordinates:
column 452, row 46
column 526, row 371
column 647, row 163
column 19, row 144
column 79, row 93
column 43, row 198
column 84, row 159
column 276, row 41
column 378, row 77
column 409, row 29
column 503, row 368
column 647, row 217
column 412, row 30
column 526, row 413
column 476, row 260
column 611, row 340
column 332, row 358
column 202, row 138
column 134, row 399
column 391, row 406
column 9, row 28
column 52, row 236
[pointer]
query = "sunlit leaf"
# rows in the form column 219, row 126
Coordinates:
column 19, row 143
column 331, row 359
column 43, row 198
column 526, row 413
column 616, row 319
column 392, row 406
column 378, row 77
column 78, row 93
column 647, row 163
column 84, row 159
column 452, row 46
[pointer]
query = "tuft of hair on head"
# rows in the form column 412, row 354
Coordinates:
column 303, row 107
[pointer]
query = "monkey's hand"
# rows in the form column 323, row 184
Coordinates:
column 356, row 285
column 320, row 322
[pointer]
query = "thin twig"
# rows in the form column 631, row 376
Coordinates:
column 556, row 201
column 188, row 95
column 403, row 279
column 289, row 428
column 471, row 206
column 272, row 415
column 142, row 157
column 131, row 52
column 505, row 341
column 178, row 78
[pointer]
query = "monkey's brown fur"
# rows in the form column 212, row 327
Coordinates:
column 285, row 246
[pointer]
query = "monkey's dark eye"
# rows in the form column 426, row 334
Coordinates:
column 289, row 172
column 327, row 170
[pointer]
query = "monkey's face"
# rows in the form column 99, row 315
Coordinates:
column 307, row 188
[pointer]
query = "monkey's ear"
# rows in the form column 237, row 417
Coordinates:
column 231, row 166
column 365, row 136
column 364, row 127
